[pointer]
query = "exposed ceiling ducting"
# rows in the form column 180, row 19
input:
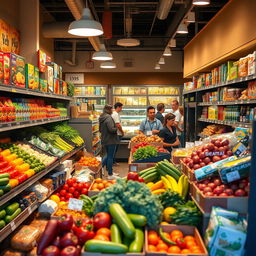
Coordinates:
column 164, row 9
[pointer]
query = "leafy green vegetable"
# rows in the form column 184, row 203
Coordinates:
column 145, row 152
column 88, row 205
column 170, row 198
column 134, row 197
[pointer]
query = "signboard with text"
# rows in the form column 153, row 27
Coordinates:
column 75, row 78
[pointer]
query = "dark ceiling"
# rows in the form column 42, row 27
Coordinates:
column 153, row 33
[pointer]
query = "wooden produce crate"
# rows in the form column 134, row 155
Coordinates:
column 188, row 172
column 186, row 230
column 137, row 167
column 239, row 204
column 95, row 169
column 94, row 192
column 133, row 144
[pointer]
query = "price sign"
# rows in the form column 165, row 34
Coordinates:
column 233, row 176
column 13, row 90
column 75, row 204
column 76, row 78
column 134, row 168
column 13, row 226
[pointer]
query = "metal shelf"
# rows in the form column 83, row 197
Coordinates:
column 127, row 95
column 230, row 123
column 235, row 102
column 96, row 143
column 29, row 123
column 89, row 96
column 234, row 81
column 26, row 91
column 24, row 185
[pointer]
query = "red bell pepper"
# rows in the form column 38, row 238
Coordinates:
column 66, row 222
column 3, row 164
column 13, row 173
column 1, row 158
column 22, row 177
column 7, row 169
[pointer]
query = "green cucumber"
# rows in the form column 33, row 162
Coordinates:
column 5, row 175
column 122, row 220
column 172, row 167
column 150, row 177
column 160, row 231
column 127, row 241
column 137, row 244
column 1, row 192
column 10, row 210
column 105, row 247
column 6, row 188
column 116, row 235
column 138, row 220
column 145, row 171
column 4, row 181
column 2, row 214
column 9, row 218
column 2, row 224
column 167, row 170
column 148, row 172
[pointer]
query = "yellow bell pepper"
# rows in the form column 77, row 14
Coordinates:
column 13, row 183
column 30, row 172
column 6, row 152
column 23, row 167
column 16, row 162
column 10, row 158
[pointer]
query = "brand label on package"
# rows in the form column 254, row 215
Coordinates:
column 75, row 204
column 232, row 176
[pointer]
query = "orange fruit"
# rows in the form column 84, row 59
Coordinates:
column 102, row 238
column 176, row 233
column 164, row 223
column 94, row 186
column 173, row 238
column 190, row 244
column 150, row 232
column 195, row 248
column 174, row 249
column 101, row 186
column 185, row 251
column 108, row 185
column 104, row 182
column 162, row 246
column 96, row 189
column 189, row 238
column 98, row 180
column 162, row 251
column 152, row 248
column 103, row 231
column 166, row 235
column 153, row 239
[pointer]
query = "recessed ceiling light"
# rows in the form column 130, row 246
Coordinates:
column 86, row 26
column 201, row 2
column 167, row 52
column 182, row 29
column 157, row 66
column 161, row 61
column 108, row 64
column 102, row 55
column 191, row 17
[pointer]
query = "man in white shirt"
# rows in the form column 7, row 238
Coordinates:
column 120, row 133
column 175, row 110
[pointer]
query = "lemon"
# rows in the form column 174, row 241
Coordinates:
column 167, row 212
column 55, row 198
column 62, row 203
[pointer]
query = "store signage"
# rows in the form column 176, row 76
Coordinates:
column 75, row 78
column 75, row 204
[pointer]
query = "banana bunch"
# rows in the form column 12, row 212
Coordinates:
column 181, row 186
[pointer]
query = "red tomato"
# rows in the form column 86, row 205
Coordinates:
column 62, row 198
column 71, row 190
column 57, row 194
column 69, row 195
column 63, row 192
column 65, row 186
column 75, row 185
column 86, row 185
column 76, row 194
column 84, row 191
column 80, row 186
column 71, row 181
column 102, row 220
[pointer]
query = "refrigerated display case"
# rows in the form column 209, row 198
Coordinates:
column 94, row 95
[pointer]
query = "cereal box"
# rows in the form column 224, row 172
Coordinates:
column 43, row 85
column 229, row 66
column 252, row 64
column 49, row 78
column 42, row 61
column 7, row 68
column 30, row 76
column 60, row 72
column 233, row 71
column 243, row 67
column 1, row 67
column 15, row 40
column 36, row 72
column 56, row 83
column 17, row 66
column 5, row 44
column 55, row 68
column 252, row 90
column 64, row 88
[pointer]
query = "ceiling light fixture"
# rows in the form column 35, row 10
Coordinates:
column 191, row 17
column 157, row 66
column 102, row 54
column 182, row 29
column 172, row 43
column 108, row 64
column 167, row 52
column 86, row 26
column 201, row 2
column 161, row 61
column 128, row 42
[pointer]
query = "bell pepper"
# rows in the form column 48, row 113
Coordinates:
column 3, row 165
column 22, row 177
column 23, row 167
column 7, row 169
column 13, row 183
column 181, row 242
column 10, row 158
column 66, row 222
column 1, row 158
column 13, row 174
column 84, row 234
column 16, row 162
column 30, row 172
column 6, row 152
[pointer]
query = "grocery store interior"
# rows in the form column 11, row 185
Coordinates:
column 127, row 127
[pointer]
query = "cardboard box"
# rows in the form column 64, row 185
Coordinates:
column 17, row 66
column 206, row 203
column 49, row 78
column 136, row 167
column 56, row 85
column 5, row 42
column 7, row 69
column 43, row 85
column 1, row 67
column 36, row 72
column 55, row 69
column 64, row 88
column 42, row 61
column 30, row 76
column 186, row 230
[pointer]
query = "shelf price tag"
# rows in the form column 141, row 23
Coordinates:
column 134, row 168
column 75, row 204
column 13, row 90
column 13, row 226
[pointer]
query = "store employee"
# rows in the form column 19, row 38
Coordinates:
column 150, row 125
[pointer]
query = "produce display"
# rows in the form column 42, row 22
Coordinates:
column 212, row 129
column 144, row 138
column 89, row 161
column 100, row 184
column 144, row 153
column 144, row 144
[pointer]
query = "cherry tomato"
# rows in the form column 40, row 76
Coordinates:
column 86, row 185
column 65, row 186
column 71, row 190
column 84, row 191
column 69, row 195
column 71, row 181
column 75, row 186
column 62, row 198
column 76, row 194
column 63, row 192
column 80, row 186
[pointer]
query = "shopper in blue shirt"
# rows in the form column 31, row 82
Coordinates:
column 150, row 125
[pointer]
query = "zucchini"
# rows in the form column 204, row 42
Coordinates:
column 167, row 170
column 146, row 171
column 2, row 224
column 10, row 210
column 137, row 244
column 1, row 192
column 122, row 220
column 4, row 181
column 138, row 220
column 6, row 188
column 160, row 231
column 150, row 177
column 9, row 218
column 116, row 234
column 5, row 175
column 105, row 247
column 2, row 214
column 172, row 167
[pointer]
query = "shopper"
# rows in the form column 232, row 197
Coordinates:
column 120, row 133
column 109, row 139
column 150, row 125
column 160, row 110
column 168, row 133
column 175, row 110
column 180, row 127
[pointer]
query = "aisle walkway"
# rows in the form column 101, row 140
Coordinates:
column 122, row 169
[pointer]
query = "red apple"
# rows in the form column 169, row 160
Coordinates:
column 225, row 142
column 202, row 164
column 191, row 164
column 210, row 146
column 197, row 166
column 234, row 187
column 209, row 194
column 217, row 181
column 193, row 154
column 206, row 182
column 202, row 155
column 223, row 194
column 229, row 153
column 207, row 189
column 223, row 157
column 240, row 192
column 196, row 159
column 223, row 186
column 201, row 186
column 216, row 159
column 217, row 143
column 229, row 191
column 207, row 160
column 212, row 185
column 218, row 190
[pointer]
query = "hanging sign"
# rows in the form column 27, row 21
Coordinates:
column 75, row 78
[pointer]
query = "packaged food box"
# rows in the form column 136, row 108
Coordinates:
column 60, row 72
column 49, row 78
column 30, row 76
column 1, row 67
column 234, row 71
column 252, row 90
column 55, row 69
column 64, row 88
column 243, row 67
column 42, row 61
column 43, row 85
column 56, row 85
column 252, row 64
column 7, row 68
column 36, row 72
column 226, row 233
column 17, row 66
column 4, row 37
